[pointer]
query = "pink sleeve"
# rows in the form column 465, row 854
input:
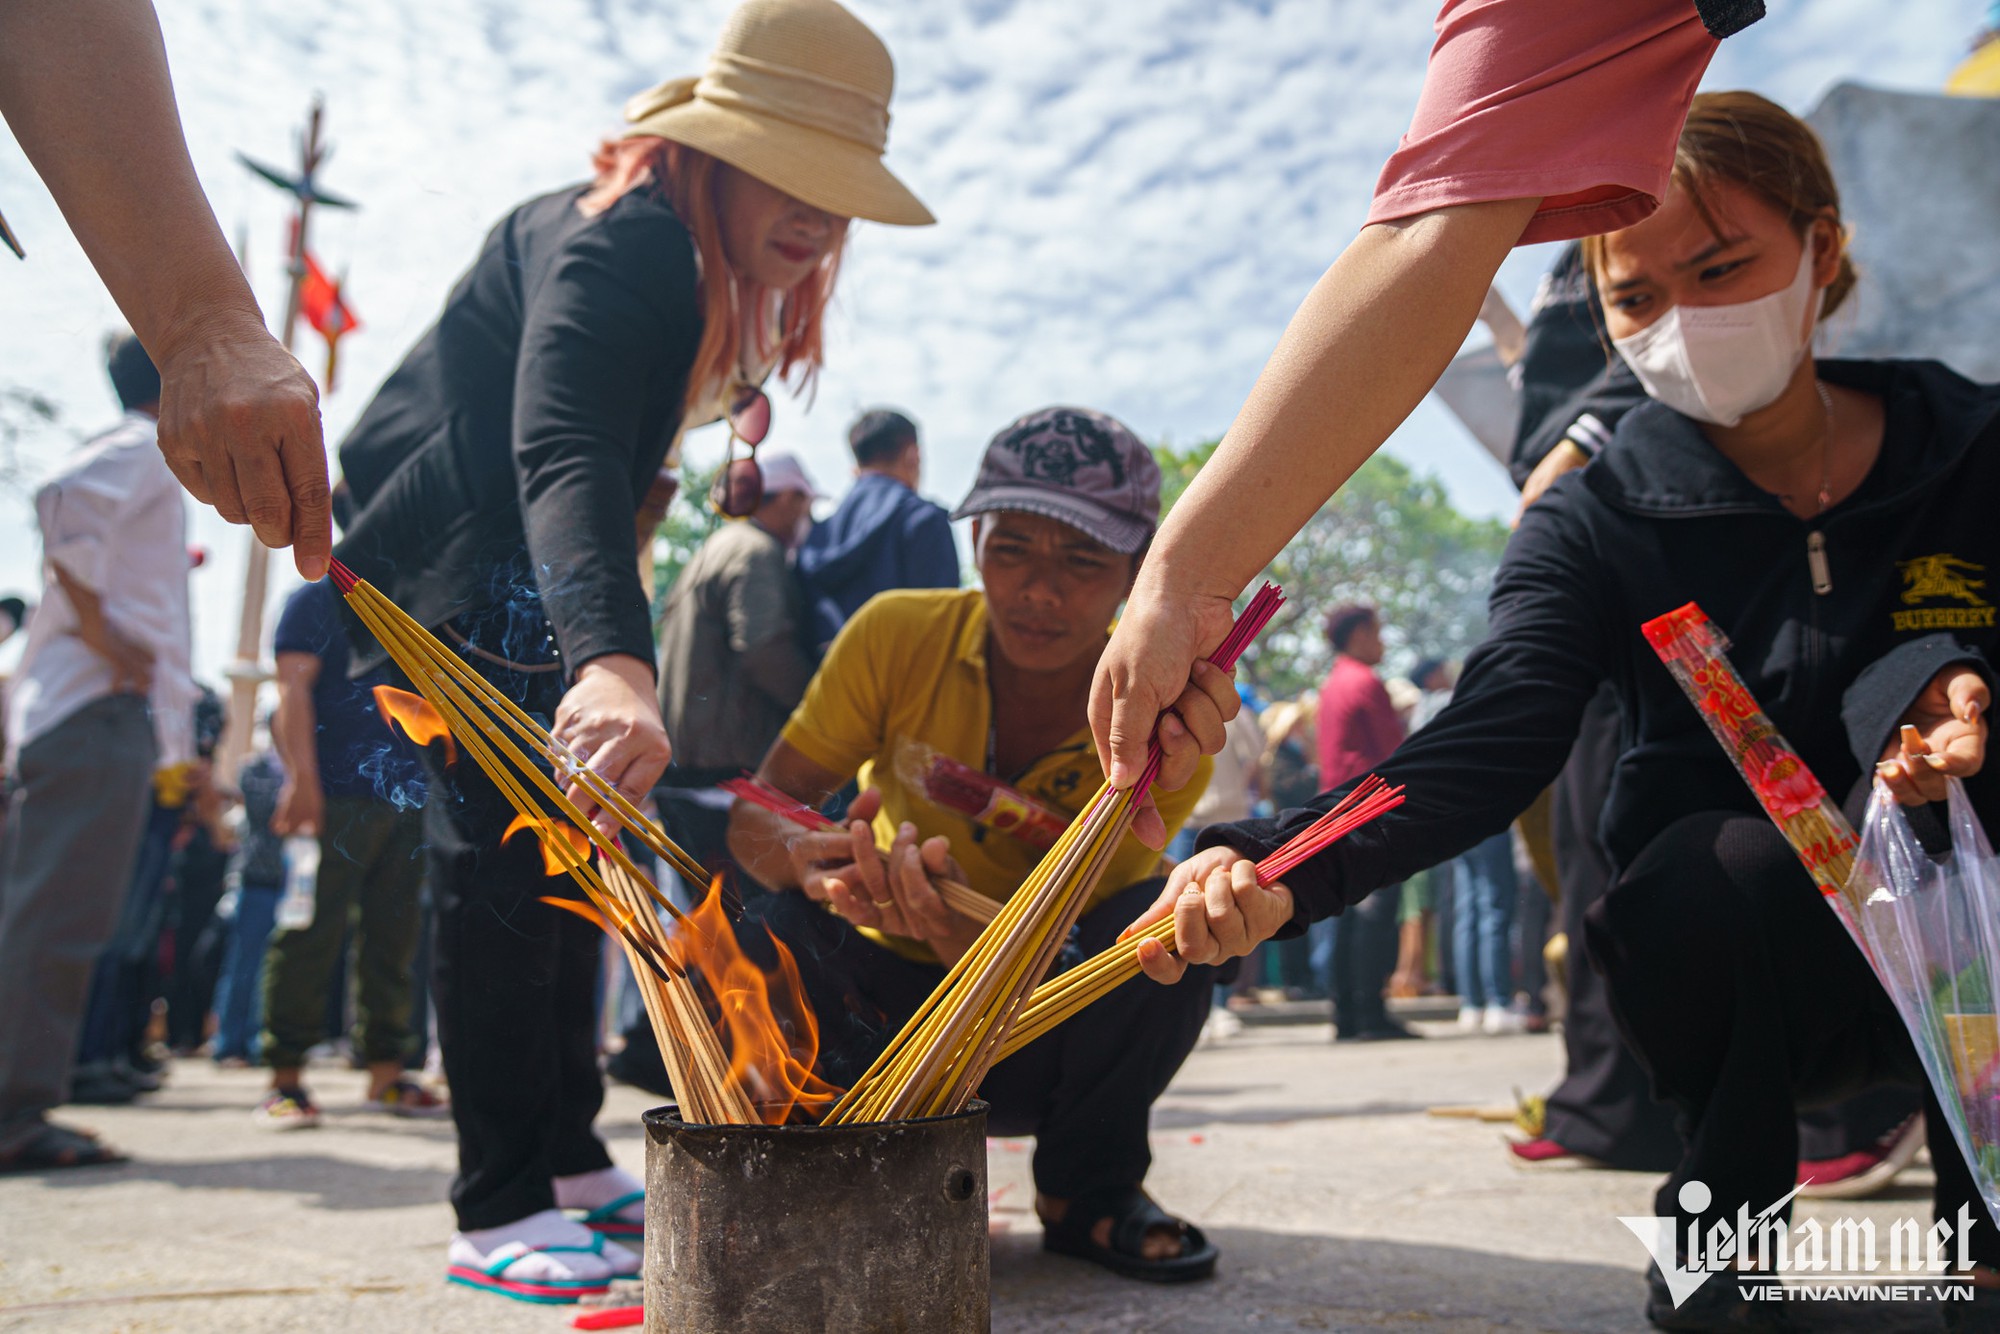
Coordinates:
column 1576, row 102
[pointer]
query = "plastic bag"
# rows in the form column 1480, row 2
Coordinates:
column 977, row 795
column 1930, row 927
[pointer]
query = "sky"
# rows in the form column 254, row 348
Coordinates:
column 1132, row 199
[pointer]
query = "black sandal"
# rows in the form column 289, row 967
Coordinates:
column 1133, row 1214
column 53, row 1147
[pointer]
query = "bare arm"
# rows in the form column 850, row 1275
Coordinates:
column 773, row 849
column 1368, row 343
column 84, row 87
column 131, row 662
column 294, row 729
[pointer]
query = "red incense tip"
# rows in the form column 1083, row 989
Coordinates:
column 344, row 579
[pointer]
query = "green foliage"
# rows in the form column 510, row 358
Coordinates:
column 688, row 523
column 1389, row 538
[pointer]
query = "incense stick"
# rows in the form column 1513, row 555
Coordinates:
column 935, row 1063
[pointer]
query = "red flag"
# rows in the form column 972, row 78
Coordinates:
column 325, row 307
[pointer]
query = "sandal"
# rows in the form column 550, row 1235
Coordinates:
column 546, row 1291
column 605, row 1222
column 1133, row 1214
column 53, row 1147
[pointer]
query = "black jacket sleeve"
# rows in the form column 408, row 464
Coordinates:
column 613, row 317
column 1501, row 740
column 1874, row 705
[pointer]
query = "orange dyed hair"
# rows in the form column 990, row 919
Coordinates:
column 684, row 179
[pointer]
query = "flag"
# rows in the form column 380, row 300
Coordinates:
column 325, row 307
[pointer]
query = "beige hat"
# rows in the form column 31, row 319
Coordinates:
column 797, row 94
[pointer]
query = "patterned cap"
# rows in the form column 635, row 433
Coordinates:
column 1086, row 469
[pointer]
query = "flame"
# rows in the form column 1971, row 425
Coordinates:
column 420, row 722
column 548, row 831
column 765, row 1020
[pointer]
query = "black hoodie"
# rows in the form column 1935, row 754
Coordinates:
column 1903, row 569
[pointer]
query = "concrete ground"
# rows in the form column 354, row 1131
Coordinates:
column 1338, row 1204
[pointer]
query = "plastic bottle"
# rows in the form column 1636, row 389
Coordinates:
column 295, row 906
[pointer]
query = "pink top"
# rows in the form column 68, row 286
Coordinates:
column 1358, row 727
column 1577, row 102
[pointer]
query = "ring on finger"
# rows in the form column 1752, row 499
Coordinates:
column 883, row 904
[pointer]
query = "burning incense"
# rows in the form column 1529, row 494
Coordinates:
column 1696, row 653
column 621, row 898
column 961, row 899
column 933, row 1066
column 1097, row 977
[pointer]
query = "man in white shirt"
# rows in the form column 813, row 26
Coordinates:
column 102, row 698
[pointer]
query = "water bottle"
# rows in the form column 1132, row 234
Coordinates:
column 295, row 906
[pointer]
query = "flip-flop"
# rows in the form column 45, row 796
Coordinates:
column 53, row 1147
column 605, row 1222
column 1133, row 1214
column 546, row 1291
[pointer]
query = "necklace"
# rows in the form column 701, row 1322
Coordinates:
column 1825, row 450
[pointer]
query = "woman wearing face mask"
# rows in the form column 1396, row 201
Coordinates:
column 498, row 478
column 1834, row 519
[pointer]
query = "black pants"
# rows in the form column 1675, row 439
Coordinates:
column 1745, row 1000
column 1604, row 1107
column 1365, row 942
column 1085, row 1091
column 514, row 991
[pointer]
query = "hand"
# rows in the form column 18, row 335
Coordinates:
column 1943, row 735
column 301, row 807
column 1146, row 668
column 895, row 894
column 610, row 719
column 818, row 858
column 239, row 426
column 1220, row 912
column 131, row 662
column 1192, row 728
column 1565, row 457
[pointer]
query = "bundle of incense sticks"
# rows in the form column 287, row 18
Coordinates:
column 1093, row 979
column 1697, row 655
column 480, row 719
column 933, row 1066
column 960, row 898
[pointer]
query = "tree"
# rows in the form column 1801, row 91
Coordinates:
column 687, row 524
column 1389, row 538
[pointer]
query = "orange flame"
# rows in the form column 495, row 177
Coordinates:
column 420, row 722
column 765, row 1020
column 547, row 831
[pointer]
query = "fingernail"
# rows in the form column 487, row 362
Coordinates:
column 1886, row 769
column 1972, row 711
column 1935, row 761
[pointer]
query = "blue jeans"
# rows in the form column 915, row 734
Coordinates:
column 1483, row 919
column 239, row 995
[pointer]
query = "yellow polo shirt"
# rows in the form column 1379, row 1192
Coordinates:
column 911, row 667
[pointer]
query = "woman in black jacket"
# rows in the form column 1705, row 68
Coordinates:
column 497, row 479
column 1833, row 518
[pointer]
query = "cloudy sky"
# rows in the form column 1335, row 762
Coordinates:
column 1131, row 197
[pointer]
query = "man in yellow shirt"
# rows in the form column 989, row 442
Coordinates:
column 925, row 698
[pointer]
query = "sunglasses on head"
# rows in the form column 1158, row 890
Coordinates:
column 739, row 486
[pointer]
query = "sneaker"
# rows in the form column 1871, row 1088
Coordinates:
column 1541, row 1151
column 1468, row 1018
column 1221, row 1025
column 1718, row 1304
column 406, row 1097
column 1866, row 1172
column 288, row 1109
column 1498, row 1019
column 100, row 1084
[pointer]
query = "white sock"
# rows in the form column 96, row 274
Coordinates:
column 518, row 1240
column 594, row 1190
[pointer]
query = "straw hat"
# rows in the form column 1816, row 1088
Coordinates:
column 797, row 94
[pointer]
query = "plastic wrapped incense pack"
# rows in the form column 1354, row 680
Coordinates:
column 1697, row 655
column 977, row 795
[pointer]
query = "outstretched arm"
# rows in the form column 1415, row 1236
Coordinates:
column 84, row 87
column 1371, row 339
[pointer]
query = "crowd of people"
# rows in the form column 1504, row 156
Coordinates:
column 491, row 489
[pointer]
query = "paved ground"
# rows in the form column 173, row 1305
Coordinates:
column 1337, row 1202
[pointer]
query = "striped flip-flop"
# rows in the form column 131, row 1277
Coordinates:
column 547, row 1291
column 605, row 1222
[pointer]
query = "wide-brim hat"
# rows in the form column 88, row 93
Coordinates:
column 796, row 93
column 1074, row 465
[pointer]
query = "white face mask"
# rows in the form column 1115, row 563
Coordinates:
column 1718, row 363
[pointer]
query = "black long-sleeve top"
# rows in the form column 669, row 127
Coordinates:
column 1660, row 519
column 505, row 458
